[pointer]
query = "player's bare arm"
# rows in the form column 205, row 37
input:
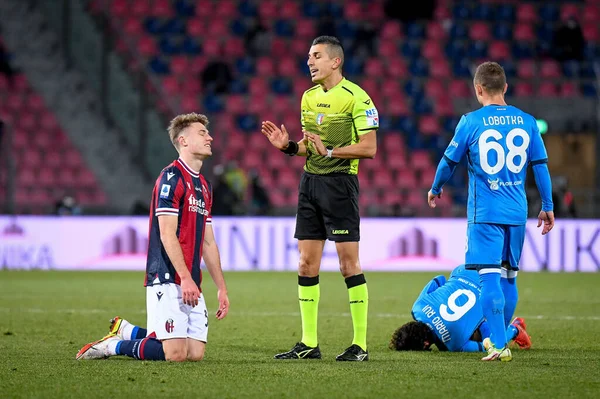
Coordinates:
column 365, row 148
column 547, row 218
column 168, row 235
column 211, row 256
column 280, row 138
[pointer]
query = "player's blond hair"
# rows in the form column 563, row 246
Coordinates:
column 181, row 122
column 491, row 76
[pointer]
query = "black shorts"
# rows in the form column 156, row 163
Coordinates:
column 328, row 208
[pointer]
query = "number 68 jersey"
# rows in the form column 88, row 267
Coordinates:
column 499, row 141
column 451, row 308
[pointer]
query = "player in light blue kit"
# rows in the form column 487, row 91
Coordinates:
column 448, row 314
column 499, row 141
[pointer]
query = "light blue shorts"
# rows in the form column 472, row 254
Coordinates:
column 493, row 245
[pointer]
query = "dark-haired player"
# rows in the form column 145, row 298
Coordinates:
column 448, row 314
column 500, row 141
column 339, row 122
column 180, row 236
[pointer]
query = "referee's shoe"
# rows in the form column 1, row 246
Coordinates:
column 300, row 351
column 353, row 354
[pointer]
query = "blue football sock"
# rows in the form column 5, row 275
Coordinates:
column 511, row 332
column 484, row 330
column 142, row 349
column 139, row 333
column 511, row 295
column 492, row 302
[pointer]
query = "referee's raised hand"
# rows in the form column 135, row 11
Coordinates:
column 278, row 137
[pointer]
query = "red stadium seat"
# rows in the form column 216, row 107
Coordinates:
column 259, row 106
column 432, row 50
column 234, row 47
column 170, row 86
column 162, row 8
column 287, row 67
column 396, row 68
column 569, row 10
column 279, row 47
column 526, row 13
column 526, row 69
column 353, row 11
column 287, row 177
column 53, row 159
column 390, row 31
column 524, row 33
column 195, row 27
column 28, row 122
column 48, row 121
column 547, row 89
column 391, row 89
column 435, row 31
column 267, row 10
column 550, row 69
column 591, row 13
column 429, row 125
column 396, row 105
column 211, row 47
column 218, row 27
column 36, row 102
column 387, row 49
column 14, row 102
column 443, row 106
column 383, row 179
column 20, row 83
column 395, row 161
column 119, row 8
column 441, row 13
column 305, row 28
column 392, row 197
column 140, row 8
column 393, row 142
column 459, row 88
column 258, row 87
column 498, row 51
column 480, row 31
column 133, row 27
column 278, row 197
column 265, row 67
column 426, row 177
column 291, row 10
column 420, row 159
column 281, row 105
column 591, row 33
column 523, row 89
column 440, row 69
column 569, row 89
column 374, row 67
column 405, row 178
column 205, row 9
column 435, row 88
column 196, row 65
column 47, row 177
column 147, row 46
column 179, row 65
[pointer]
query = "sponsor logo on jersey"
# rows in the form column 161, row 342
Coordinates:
column 323, row 105
column 454, row 144
column 164, row 191
column 320, row 118
column 196, row 205
column 494, row 184
column 169, row 175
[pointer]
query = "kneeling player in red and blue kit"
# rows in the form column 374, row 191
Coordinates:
column 180, row 236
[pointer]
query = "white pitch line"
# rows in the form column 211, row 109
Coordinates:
column 284, row 314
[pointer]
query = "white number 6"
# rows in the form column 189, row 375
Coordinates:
column 486, row 146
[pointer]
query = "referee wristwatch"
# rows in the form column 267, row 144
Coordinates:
column 329, row 151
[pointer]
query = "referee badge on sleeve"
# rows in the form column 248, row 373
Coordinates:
column 372, row 117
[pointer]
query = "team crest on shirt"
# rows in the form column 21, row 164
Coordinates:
column 320, row 118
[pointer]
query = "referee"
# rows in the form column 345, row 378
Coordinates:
column 339, row 123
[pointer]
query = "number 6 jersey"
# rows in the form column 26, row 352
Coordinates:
column 451, row 308
column 499, row 141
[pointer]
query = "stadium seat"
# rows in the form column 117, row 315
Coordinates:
column 429, row 125
column 459, row 88
column 396, row 68
column 591, row 33
column 526, row 14
column 390, row 31
column 479, row 31
column 291, row 10
column 406, row 179
column 547, row 89
column 139, row 8
column 420, row 159
column 383, row 179
column 435, row 31
column 524, row 33
column 526, row 69
column 432, row 50
column 498, row 51
column 440, row 69
column 569, row 10
column 523, row 89
column 569, row 89
column 550, row 69
column 119, row 8
column 591, row 13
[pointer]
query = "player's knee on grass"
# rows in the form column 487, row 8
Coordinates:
column 412, row 336
column 175, row 350
column 195, row 350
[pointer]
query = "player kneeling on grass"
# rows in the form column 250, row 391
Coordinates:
column 180, row 235
column 448, row 314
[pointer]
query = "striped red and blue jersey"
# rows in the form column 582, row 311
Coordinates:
column 181, row 192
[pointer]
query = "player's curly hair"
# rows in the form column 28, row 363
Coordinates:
column 180, row 122
column 411, row 337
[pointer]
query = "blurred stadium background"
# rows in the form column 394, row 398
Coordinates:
column 87, row 89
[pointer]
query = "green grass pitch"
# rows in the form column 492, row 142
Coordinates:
column 45, row 317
